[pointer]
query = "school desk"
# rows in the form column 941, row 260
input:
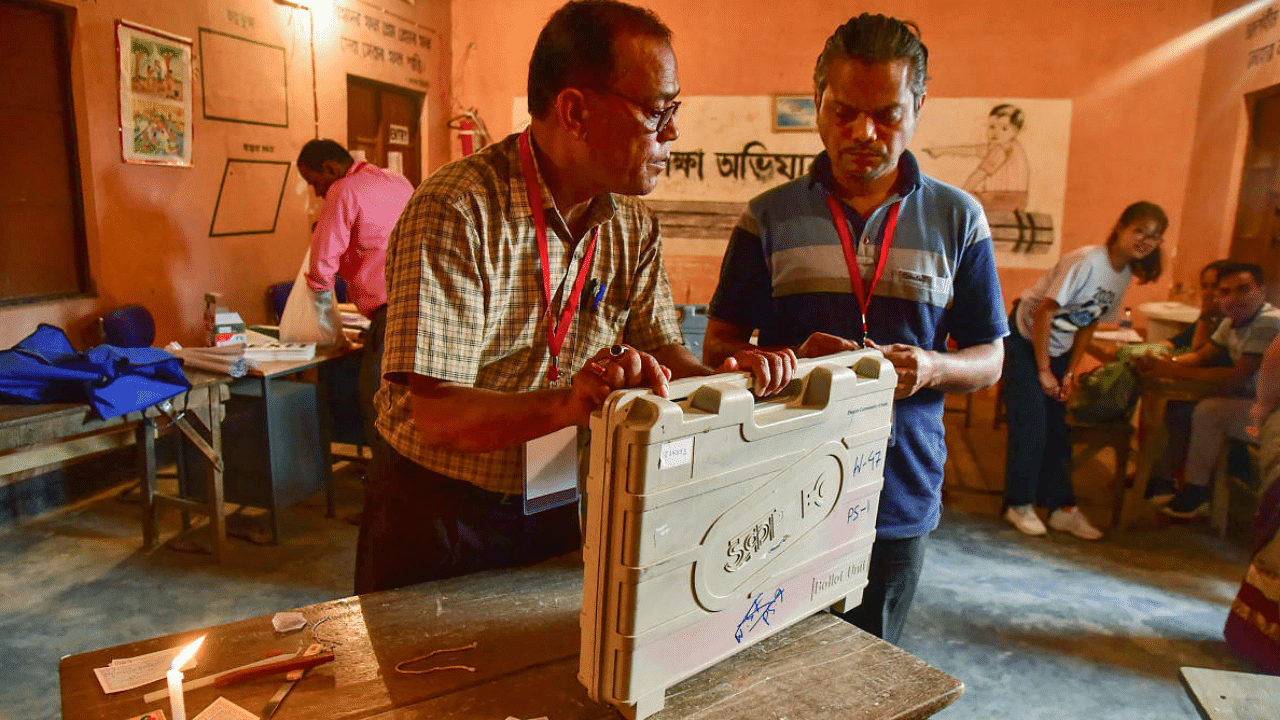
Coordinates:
column 524, row 623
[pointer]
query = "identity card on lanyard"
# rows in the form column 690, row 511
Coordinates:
column 862, row 295
column 551, row 461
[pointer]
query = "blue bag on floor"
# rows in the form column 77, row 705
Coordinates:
column 44, row 368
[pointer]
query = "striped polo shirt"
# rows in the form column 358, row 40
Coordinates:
column 784, row 274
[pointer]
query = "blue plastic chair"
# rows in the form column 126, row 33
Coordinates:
column 277, row 296
column 130, row 326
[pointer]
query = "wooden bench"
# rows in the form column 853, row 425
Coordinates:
column 1235, row 498
column 37, row 438
column 1117, row 435
column 1226, row 695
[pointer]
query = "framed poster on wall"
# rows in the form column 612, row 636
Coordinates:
column 794, row 113
column 155, row 95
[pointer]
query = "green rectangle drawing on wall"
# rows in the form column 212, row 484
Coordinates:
column 243, row 80
column 248, row 199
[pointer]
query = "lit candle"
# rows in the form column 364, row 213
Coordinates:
column 177, row 704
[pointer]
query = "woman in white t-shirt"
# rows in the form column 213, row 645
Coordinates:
column 1050, row 328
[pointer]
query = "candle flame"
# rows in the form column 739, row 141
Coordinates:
column 187, row 653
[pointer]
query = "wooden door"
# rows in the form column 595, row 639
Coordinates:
column 1257, row 232
column 383, row 121
column 42, row 234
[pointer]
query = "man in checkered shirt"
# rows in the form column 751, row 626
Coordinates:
column 471, row 371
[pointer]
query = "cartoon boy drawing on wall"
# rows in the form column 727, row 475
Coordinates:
column 1000, row 181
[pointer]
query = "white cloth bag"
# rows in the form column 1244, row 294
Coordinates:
column 310, row 316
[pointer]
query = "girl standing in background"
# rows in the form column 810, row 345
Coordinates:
column 1050, row 328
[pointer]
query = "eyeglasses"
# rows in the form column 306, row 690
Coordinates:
column 1156, row 238
column 657, row 119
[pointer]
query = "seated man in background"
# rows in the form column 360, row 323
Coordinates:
column 361, row 205
column 1248, row 326
column 1198, row 333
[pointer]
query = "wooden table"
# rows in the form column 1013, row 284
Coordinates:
column 1157, row 393
column 525, row 622
column 1225, row 695
column 35, row 437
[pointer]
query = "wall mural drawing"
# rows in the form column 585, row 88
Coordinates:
column 1011, row 154
column 1000, row 180
column 155, row 95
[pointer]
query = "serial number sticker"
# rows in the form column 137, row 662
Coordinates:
column 675, row 453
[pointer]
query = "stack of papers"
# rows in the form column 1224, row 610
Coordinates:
column 351, row 317
column 278, row 351
column 226, row 359
column 1121, row 335
column 129, row 673
column 264, row 348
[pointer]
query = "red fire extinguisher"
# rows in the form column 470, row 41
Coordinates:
column 466, row 133
column 471, row 131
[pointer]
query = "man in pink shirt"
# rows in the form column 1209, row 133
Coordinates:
column 361, row 205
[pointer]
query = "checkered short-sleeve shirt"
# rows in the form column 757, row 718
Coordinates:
column 465, row 303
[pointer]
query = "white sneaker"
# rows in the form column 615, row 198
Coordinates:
column 1073, row 521
column 1025, row 519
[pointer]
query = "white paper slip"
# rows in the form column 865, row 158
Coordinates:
column 551, row 470
column 129, row 673
column 224, row 709
column 288, row 621
column 1121, row 335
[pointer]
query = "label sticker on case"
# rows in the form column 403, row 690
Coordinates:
column 675, row 453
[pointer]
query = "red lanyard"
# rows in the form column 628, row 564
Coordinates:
column 556, row 331
column 851, row 255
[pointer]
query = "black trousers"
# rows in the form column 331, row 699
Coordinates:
column 1038, row 459
column 370, row 376
column 419, row 525
column 892, row 576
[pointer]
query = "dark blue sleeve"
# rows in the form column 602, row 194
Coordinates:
column 744, row 295
column 977, row 313
column 1184, row 338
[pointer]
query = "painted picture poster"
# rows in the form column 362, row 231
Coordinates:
column 155, row 95
column 794, row 113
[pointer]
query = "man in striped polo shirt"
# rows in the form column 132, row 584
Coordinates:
column 866, row 250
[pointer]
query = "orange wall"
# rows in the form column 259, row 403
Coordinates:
column 148, row 226
column 1127, row 144
column 1218, row 150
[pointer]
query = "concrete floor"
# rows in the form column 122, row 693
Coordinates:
column 1047, row 627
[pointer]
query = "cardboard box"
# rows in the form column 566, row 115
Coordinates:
column 222, row 326
column 714, row 520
